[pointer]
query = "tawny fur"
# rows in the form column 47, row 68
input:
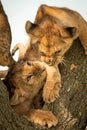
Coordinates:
column 21, row 91
column 54, row 30
column 53, row 82
column 22, row 49
column 68, row 18
column 25, row 80
column 51, row 35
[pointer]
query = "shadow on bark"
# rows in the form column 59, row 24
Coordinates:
column 70, row 108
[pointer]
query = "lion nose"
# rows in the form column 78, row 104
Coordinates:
column 49, row 60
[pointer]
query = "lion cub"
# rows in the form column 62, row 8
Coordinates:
column 25, row 80
column 53, row 82
column 54, row 31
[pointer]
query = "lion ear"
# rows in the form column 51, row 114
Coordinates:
column 33, row 29
column 29, row 26
column 73, row 31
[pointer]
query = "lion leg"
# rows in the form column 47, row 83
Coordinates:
column 52, row 85
column 42, row 117
column 15, row 48
column 20, row 47
column 51, row 91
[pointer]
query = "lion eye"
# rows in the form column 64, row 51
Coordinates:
column 42, row 53
column 29, row 63
column 56, row 53
column 29, row 77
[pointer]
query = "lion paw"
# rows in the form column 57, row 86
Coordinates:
column 50, row 94
column 43, row 118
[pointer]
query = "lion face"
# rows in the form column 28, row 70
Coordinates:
column 27, row 78
column 52, row 37
column 52, row 50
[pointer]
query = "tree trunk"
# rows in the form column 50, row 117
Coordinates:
column 70, row 108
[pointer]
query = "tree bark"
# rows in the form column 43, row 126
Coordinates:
column 70, row 108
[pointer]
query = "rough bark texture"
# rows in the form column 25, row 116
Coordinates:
column 70, row 108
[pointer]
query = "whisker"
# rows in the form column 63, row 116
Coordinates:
column 63, row 61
